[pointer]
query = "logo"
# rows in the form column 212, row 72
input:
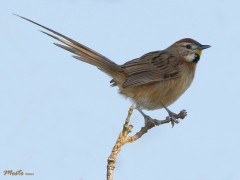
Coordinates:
column 16, row 173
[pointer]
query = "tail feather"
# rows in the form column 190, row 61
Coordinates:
column 82, row 52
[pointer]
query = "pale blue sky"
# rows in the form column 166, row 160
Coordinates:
column 60, row 118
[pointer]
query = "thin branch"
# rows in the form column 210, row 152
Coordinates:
column 123, row 137
column 117, row 147
column 150, row 125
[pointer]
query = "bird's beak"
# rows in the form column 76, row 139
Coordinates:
column 201, row 47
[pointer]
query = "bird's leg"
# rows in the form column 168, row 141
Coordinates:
column 147, row 118
column 173, row 117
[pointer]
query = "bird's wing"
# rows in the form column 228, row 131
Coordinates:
column 152, row 67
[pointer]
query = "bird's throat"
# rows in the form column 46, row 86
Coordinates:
column 197, row 58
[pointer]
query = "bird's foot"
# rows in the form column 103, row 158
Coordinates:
column 147, row 119
column 174, row 117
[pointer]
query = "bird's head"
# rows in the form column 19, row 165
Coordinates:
column 189, row 49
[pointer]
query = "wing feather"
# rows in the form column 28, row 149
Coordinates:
column 152, row 67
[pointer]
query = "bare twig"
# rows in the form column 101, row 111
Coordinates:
column 124, row 139
column 117, row 147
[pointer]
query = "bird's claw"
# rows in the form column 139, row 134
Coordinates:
column 148, row 119
column 173, row 119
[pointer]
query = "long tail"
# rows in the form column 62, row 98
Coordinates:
column 83, row 53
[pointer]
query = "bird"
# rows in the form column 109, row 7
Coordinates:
column 152, row 81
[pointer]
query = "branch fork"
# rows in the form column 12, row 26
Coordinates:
column 123, row 137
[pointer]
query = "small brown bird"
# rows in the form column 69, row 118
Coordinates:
column 153, row 81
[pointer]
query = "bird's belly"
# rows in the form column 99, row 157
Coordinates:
column 154, row 96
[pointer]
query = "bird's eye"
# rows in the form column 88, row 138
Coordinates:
column 188, row 46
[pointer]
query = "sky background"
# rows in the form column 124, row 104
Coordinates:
column 59, row 117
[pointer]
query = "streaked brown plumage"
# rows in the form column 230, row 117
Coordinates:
column 152, row 81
